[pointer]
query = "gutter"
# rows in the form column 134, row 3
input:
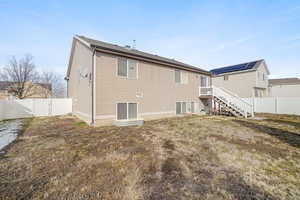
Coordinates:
column 151, row 60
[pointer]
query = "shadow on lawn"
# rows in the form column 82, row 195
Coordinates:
column 288, row 137
column 174, row 185
column 282, row 121
column 203, row 181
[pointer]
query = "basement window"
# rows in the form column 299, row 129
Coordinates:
column 192, row 107
column 127, row 111
column 181, row 108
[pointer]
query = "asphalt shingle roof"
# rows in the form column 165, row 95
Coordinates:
column 284, row 81
column 4, row 85
column 112, row 47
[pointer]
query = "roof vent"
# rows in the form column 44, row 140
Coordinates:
column 127, row 46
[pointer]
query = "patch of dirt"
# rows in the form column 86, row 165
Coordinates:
column 192, row 157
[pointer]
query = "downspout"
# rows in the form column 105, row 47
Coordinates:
column 67, row 80
column 93, row 87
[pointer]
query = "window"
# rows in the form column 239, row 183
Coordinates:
column 181, row 107
column 192, row 107
column 184, row 77
column 181, row 77
column 132, row 69
column 177, row 76
column 132, row 110
column 264, row 78
column 178, row 108
column 126, row 111
column 204, row 81
column 122, row 67
column 226, row 77
column 121, row 111
column 127, row 68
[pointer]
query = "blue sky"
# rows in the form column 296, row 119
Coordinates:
column 206, row 34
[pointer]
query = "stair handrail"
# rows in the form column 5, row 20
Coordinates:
column 236, row 100
column 235, row 95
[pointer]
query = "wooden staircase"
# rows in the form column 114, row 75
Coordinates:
column 224, row 102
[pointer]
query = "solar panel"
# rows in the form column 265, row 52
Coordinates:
column 239, row 67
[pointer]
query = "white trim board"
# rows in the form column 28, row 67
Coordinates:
column 82, row 41
column 141, row 114
column 158, row 113
column 105, row 117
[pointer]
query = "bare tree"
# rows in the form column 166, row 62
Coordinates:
column 54, row 82
column 22, row 75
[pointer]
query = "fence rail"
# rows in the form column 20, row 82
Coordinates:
column 276, row 105
column 13, row 109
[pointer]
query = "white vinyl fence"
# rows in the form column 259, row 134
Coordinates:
column 13, row 109
column 276, row 105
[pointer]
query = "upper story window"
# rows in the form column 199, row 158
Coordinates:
column 204, row 81
column 127, row 68
column 181, row 76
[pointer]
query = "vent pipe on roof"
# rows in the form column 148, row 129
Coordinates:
column 127, row 46
column 134, row 44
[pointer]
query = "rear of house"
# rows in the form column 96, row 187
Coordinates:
column 285, row 87
column 111, row 84
column 246, row 79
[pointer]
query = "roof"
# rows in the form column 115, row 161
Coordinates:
column 284, row 81
column 104, row 46
column 237, row 68
column 4, row 85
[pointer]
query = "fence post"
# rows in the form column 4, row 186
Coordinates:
column 253, row 106
column 276, row 105
column 50, row 107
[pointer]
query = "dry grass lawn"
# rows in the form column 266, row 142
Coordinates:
column 193, row 157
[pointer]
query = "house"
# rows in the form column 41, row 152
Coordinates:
column 284, row 87
column 111, row 84
column 245, row 80
column 32, row 90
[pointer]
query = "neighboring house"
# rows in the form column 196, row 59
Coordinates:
column 34, row 90
column 285, row 87
column 110, row 84
column 246, row 79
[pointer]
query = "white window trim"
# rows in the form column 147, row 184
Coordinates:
column 207, row 81
column 181, row 77
column 175, row 75
column 127, row 103
column 191, row 107
column 187, row 77
column 176, row 108
column 186, row 107
column 127, row 66
column 187, row 110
